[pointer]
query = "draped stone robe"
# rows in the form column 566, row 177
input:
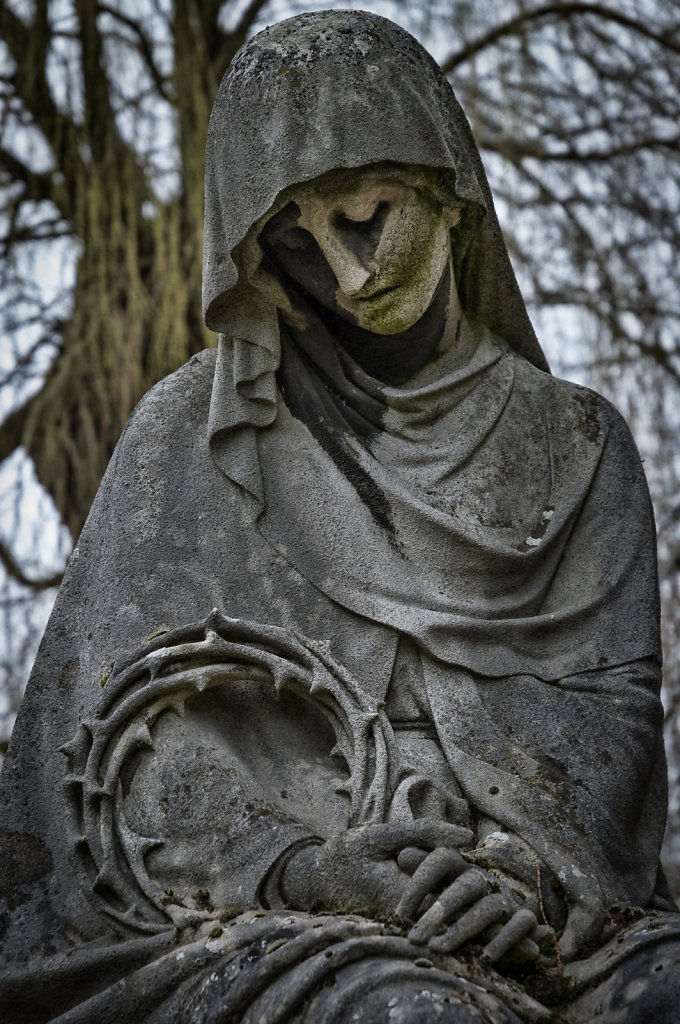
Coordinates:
column 289, row 560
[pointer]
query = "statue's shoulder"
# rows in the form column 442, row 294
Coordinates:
column 569, row 406
column 190, row 385
column 183, row 397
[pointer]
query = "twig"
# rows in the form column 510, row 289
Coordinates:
column 561, row 10
column 14, row 570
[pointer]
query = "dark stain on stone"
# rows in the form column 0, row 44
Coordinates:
column 590, row 425
column 203, row 901
column 363, row 483
column 24, row 858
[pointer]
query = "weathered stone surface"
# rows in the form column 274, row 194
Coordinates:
column 348, row 708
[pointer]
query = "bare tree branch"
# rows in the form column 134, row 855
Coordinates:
column 39, row 185
column 14, row 570
column 248, row 16
column 660, row 355
column 28, row 46
column 99, row 116
column 144, row 48
column 234, row 40
column 12, row 429
column 559, row 10
column 535, row 149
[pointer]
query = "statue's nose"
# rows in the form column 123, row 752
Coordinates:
column 349, row 246
column 345, row 260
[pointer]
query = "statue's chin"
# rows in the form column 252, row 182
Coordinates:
column 387, row 315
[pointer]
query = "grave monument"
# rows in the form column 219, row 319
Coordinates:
column 348, row 707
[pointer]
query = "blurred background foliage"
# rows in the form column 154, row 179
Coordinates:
column 103, row 116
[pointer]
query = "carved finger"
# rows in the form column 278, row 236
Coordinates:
column 542, row 933
column 438, row 868
column 410, row 859
column 424, row 832
column 488, row 911
column 521, row 924
column 432, row 834
column 527, row 949
column 469, row 888
column 584, row 925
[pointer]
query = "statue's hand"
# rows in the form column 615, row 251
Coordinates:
column 357, row 871
column 472, row 904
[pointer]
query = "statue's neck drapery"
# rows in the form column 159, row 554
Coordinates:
column 326, row 386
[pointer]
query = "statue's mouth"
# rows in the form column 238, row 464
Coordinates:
column 377, row 294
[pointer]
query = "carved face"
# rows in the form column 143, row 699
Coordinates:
column 372, row 248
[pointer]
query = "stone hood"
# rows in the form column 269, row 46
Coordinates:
column 333, row 90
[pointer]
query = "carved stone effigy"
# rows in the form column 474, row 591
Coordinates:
column 348, row 707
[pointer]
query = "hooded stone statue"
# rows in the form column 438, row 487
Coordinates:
column 348, row 707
